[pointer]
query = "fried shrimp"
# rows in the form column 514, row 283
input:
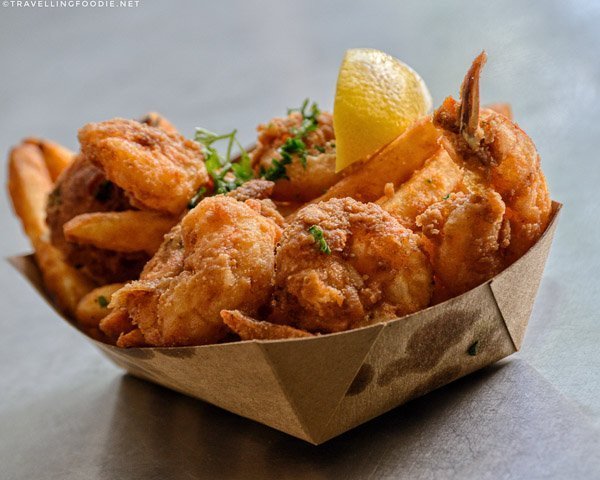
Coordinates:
column 466, row 233
column 158, row 169
column 343, row 264
column 500, row 156
column 250, row 329
column 221, row 257
column 312, row 169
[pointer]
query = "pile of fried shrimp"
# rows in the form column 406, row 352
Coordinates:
column 147, row 238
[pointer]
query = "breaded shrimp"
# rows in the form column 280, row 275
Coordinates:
column 304, row 182
column 158, row 169
column 501, row 156
column 154, row 119
column 222, row 257
column 502, row 206
column 343, row 264
column 466, row 234
column 248, row 328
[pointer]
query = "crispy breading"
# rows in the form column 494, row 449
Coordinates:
column 248, row 328
column 375, row 271
column 222, row 257
column 160, row 170
column 467, row 235
column 500, row 156
column 305, row 181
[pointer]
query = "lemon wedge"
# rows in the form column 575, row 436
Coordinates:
column 377, row 97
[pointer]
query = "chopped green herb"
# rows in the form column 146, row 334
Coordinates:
column 226, row 174
column 446, row 197
column 294, row 145
column 317, row 234
column 102, row 301
column 320, row 148
column 473, row 349
column 104, row 191
column 277, row 170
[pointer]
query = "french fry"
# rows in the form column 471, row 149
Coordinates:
column 94, row 306
column 439, row 177
column 249, row 329
column 394, row 163
column 501, row 108
column 56, row 157
column 65, row 284
column 29, row 184
column 127, row 231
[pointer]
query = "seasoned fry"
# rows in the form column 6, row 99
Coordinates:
column 94, row 306
column 56, row 157
column 249, row 329
column 127, row 231
column 439, row 177
column 29, row 184
column 394, row 163
column 64, row 283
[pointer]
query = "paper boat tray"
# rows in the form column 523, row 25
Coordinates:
column 317, row 388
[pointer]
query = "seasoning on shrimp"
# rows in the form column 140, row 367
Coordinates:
column 375, row 271
column 297, row 153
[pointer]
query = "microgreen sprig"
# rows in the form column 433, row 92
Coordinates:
column 294, row 145
column 226, row 174
column 319, row 238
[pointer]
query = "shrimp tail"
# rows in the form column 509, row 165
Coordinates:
column 462, row 120
column 469, row 104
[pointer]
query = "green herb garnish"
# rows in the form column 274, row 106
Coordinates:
column 294, row 145
column 320, row 148
column 102, row 301
column 226, row 174
column 473, row 349
column 446, row 197
column 317, row 234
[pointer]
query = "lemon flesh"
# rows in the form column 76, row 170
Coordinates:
column 377, row 98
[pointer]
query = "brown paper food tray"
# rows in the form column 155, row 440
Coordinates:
column 317, row 388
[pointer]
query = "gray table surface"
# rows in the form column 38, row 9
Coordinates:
column 65, row 412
